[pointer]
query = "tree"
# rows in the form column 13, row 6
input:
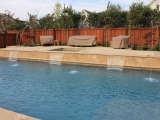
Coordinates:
column 66, row 18
column 57, row 15
column 155, row 17
column 57, row 10
column 46, row 22
column 76, row 19
column 114, row 16
column 33, row 21
column 67, row 14
column 5, row 20
column 93, row 20
column 139, row 15
column 17, row 24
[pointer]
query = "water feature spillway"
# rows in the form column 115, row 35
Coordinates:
column 13, row 55
column 115, row 62
column 48, row 92
column 13, row 58
column 55, row 58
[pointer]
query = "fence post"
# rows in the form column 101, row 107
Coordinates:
column 67, row 36
column 132, row 34
column 17, row 37
column 108, row 38
column 78, row 31
column 34, row 36
column 104, row 36
column 4, row 40
column 126, row 30
column 54, row 33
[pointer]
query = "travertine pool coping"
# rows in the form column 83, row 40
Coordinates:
column 94, row 56
column 10, row 115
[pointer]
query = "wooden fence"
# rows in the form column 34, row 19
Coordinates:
column 8, row 39
column 103, row 35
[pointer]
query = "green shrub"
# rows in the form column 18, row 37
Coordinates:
column 108, row 44
column 35, row 44
column 153, row 49
column 145, row 46
column 129, row 45
column 134, row 46
column 99, row 44
column 25, row 44
column 158, row 47
column 139, row 48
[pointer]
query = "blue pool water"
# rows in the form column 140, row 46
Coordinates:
column 50, row 92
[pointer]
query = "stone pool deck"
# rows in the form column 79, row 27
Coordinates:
column 9, row 115
column 93, row 56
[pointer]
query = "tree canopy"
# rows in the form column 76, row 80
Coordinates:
column 6, row 20
column 138, row 15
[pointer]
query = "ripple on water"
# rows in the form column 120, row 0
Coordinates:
column 124, row 108
column 13, row 60
column 55, row 63
column 73, row 72
column 15, row 65
column 119, row 69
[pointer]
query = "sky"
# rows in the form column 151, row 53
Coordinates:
column 21, row 8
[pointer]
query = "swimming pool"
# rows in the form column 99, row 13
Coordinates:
column 50, row 92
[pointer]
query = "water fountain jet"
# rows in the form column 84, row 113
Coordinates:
column 23, row 31
column 150, row 79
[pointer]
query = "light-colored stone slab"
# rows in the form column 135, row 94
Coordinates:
column 10, row 115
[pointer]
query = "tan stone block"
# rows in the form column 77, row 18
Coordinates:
column 155, row 63
column 68, row 57
column 10, row 115
column 146, row 62
column 4, row 53
column 132, row 61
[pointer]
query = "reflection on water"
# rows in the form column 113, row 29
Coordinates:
column 151, row 79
